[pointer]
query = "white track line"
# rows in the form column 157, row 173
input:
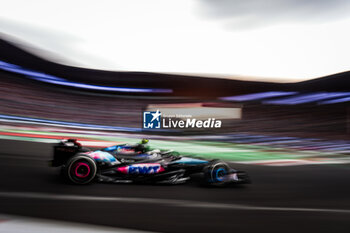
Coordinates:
column 168, row 202
column 10, row 223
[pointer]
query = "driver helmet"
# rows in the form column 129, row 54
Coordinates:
column 144, row 141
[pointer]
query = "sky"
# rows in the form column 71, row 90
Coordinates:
column 272, row 40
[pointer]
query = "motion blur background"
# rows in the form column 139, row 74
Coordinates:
column 275, row 72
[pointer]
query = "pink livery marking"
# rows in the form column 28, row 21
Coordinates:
column 126, row 151
column 141, row 168
column 101, row 156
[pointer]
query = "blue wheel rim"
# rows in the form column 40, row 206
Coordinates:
column 219, row 174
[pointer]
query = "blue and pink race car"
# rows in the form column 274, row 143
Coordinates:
column 138, row 164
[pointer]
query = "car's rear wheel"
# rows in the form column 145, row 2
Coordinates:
column 84, row 149
column 80, row 169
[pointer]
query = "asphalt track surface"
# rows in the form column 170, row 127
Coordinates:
column 312, row 198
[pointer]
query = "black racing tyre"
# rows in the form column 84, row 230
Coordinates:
column 80, row 169
column 214, row 174
column 84, row 149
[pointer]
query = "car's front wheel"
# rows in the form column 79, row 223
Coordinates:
column 216, row 173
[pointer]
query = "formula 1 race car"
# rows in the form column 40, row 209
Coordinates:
column 137, row 164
